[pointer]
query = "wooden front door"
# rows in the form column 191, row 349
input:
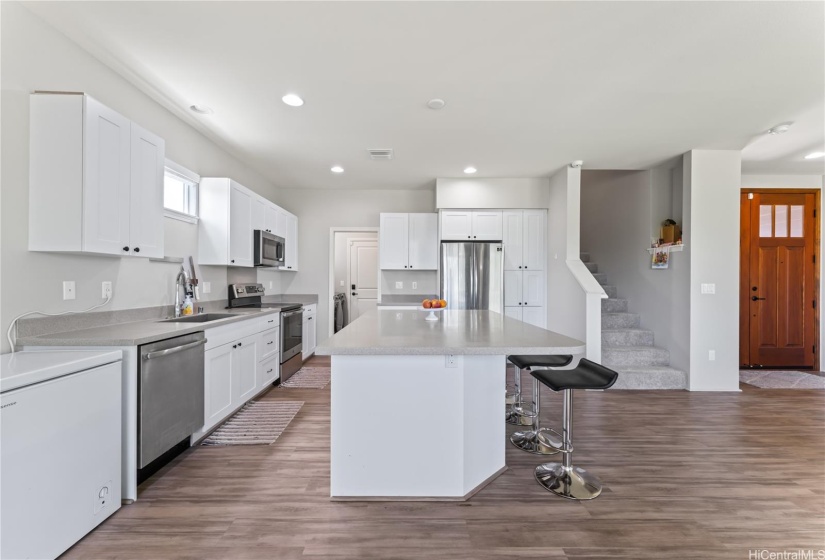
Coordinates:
column 778, row 309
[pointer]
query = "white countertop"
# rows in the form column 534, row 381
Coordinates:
column 405, row 332
column 27, row 368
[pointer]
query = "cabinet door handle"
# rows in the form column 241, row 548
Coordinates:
column 240, row 344
column 233, row 260
column 309, row 318
column 271, row 321
column 234, row 346
column 126, row 248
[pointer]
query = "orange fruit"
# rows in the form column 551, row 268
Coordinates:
column 443, row 303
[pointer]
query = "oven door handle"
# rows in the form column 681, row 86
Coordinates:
column 175, row 350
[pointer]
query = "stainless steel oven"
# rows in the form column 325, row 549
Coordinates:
column 292, row 327
column 269, row 249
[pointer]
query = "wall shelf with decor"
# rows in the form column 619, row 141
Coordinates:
column 673, row 248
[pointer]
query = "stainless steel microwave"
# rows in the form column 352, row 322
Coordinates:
column 269, row 249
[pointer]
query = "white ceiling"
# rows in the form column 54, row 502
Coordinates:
column 529, row 86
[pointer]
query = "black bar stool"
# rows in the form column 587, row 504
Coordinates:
column 563, row 479
column 528, row 440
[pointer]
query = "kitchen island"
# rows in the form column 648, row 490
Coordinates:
column 418, row 406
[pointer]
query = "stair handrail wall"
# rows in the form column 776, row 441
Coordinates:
column 593, row 293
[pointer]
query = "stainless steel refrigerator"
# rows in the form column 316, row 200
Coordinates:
column 472, row 275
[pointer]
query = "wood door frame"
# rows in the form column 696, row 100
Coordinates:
column 331, row 304
column 744, row 265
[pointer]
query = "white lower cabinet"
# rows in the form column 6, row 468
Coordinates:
column 309, row 334
column 244, row 366
column 239, row 369
column 524, row 296
column 217, row 373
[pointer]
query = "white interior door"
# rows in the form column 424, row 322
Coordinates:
column 363, row 277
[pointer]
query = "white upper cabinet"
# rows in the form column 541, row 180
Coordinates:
column 259, row 207
column 271, row 219
column 240, row 227
column 525, row 242
column 291, row 243
column 487, row 226
column 513, row 238
column 408, row 241
column 423, row 241
column 457, row 225
column 228, row 216
column 95, row 179
column 146, row 207
column 393, row 241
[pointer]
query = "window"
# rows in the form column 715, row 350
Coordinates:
column 180, row 192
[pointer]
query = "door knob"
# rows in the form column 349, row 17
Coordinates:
column 754, row 298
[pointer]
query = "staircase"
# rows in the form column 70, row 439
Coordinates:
column 628, row 348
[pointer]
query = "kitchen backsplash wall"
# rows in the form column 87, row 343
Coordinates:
column 54, row 62
column 426, row 282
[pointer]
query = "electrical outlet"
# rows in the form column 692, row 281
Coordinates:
column 712, row 355
column 207, row 287
column 708, row 289
column 103, row 497
column 68, row 289
column 452, row 361
column 341, row 283
column 415, row 285
column 399, row 285
column 106, row 290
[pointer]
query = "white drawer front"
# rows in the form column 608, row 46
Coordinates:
column 270, row 343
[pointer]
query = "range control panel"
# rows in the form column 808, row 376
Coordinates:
column 246, row 290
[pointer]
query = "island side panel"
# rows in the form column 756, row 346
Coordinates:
column 396, row 425
column 484, row 410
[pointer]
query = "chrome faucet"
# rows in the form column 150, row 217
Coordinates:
column 178, row 302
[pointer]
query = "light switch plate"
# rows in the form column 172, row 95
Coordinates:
column 207, row 287
column 399, row 285
column 708, row 289
column 68, row 289
column 711, row 355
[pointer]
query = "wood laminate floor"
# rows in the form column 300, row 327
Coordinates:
column 686, row 475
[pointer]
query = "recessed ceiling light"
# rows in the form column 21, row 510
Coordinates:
column 336, row 169
column 814, row 155
column 292, row 100
column 436, row 103
column 201, row 109
column 780, row 128
column 470, row 170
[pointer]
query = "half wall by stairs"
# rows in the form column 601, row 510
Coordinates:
column 628, row 348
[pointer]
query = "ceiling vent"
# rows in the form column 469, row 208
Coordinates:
column 380, row 154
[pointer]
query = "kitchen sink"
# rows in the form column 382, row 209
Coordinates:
column 202, row 318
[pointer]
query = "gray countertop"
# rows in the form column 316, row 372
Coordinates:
column 403, row 332
column 135, row 333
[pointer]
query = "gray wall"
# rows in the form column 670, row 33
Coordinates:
column 621, row 211
column 36, row 57
column 318, row 210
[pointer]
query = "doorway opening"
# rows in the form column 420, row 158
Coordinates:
column 779, row 278
column 354, row 285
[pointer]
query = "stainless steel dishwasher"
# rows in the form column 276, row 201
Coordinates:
column 170, row 392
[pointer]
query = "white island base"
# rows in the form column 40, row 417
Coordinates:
column 413, row 427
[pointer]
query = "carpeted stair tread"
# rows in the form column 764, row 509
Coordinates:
column 649, row 378
column 635, row 356
column 627, row 337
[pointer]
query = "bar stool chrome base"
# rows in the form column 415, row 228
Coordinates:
column 538, row 443
column 519, row 416
column 573, row 483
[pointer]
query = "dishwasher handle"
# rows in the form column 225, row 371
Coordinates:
column 175, row 350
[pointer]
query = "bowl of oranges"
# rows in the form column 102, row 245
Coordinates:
column 433, row 305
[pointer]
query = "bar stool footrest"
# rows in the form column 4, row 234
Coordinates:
column 532, row 442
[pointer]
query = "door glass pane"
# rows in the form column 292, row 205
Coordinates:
column 781, row 221
column 765, row 220
column 797, row 229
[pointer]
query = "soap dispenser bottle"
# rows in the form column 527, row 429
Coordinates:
column 188, row 305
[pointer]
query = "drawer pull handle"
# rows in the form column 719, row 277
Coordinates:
column 269, row 370
column 271, row 342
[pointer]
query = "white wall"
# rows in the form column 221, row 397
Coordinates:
column 797, row 182
column 318, row 210
column 482, row 192
column 621, row 211
column 35, row 56
column 573, row 295
column 712, row 180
